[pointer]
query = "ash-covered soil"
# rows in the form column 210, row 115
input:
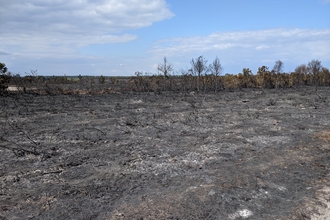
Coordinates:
column 250, row 154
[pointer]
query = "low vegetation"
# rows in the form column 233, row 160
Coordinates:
column 201, row 77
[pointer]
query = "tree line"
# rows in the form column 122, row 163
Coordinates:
column 200, row 77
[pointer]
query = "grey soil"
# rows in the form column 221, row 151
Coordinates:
column 250, row 154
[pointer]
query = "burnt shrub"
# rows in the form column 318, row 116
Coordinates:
column 4, row 78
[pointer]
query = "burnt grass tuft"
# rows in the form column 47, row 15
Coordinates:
column 247, row 154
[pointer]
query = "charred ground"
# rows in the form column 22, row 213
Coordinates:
column 248, row 154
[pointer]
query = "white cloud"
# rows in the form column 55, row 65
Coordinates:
column 46, row 35
column 261, row 47
column 235, row 49
column 56, row 44
column 45, row 27
column 3, row 52
column 260, row 39
column 82, row 16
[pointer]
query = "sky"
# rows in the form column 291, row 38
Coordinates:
column 120, row 37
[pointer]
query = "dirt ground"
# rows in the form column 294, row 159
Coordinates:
column 249, row 154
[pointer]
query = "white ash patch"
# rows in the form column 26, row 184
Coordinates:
column 136, row 101
column 260, row 194
column 167, row 164
column 211, row 193
column 210, row 150
column 13, row 88
column 244, row 213
column 269, row 139
column 282, row 188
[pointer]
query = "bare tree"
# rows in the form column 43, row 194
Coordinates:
column 301, row 69
column 216, row 70
column 314, row 67
column 299, row 75
column 199, row 67
column 165, row 68
column 277, row 69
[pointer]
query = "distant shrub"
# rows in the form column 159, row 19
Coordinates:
column 102, row 79
column 4, row 78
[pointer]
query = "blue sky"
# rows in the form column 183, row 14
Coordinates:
column 120, row 37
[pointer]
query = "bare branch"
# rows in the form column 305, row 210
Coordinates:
column 165, row 68
column 278, row 67
column 216, row 67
